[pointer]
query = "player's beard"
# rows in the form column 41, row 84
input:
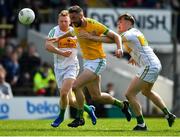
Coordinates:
column 78, row 24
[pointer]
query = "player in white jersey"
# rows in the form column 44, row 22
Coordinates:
column 66, row 66
column 142, row 55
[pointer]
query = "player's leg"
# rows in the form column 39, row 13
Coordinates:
column 85, row 77
column 89, row 109
column 94, row 88
column 133, row 89
column 64, row 101
column 158, row 101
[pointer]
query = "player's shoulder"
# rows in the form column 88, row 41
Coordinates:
column 131, row 32
column 53, row 31
column 55, row 28
column 91, row 21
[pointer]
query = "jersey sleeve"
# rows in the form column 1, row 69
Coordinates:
column 51, row 33
column 126, row 37
column 99, row 27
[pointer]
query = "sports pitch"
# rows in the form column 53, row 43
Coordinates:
column 104, row 127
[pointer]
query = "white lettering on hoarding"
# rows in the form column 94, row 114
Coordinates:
column 30, row 108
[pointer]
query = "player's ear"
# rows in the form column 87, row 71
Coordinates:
column 81, row 15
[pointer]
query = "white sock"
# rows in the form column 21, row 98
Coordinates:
column 142, row 125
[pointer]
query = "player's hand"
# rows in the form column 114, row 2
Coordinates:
column 66, row 53
column 52, row 39
column 84, row 35
column 132, row 62
column 119, row 53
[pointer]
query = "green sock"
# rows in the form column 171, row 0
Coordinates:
column 118, row 103
column 165, row 111
column 80, row 113
column 140, row 119
column 86, row 108
column 62, row 112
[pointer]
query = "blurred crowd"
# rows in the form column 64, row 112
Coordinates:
column 24, row 69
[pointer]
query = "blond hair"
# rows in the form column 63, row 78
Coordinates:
column 63, row 13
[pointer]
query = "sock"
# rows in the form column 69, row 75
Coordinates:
column 140, row 119
column 142, row 125
column 118, row 103
column 62, row 112
column 80, row 113
column 165, row 111
column 87, row 108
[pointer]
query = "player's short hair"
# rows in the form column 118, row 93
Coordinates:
column 64, row 13
column 75, row 9
column 127, row 16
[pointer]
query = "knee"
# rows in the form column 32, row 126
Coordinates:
column 75, row 87
column 146, row 93
column 64, row 93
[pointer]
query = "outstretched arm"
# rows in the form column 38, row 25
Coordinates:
column 86, row 35
column 114, row 36
column 52, row 48
column 105, row 39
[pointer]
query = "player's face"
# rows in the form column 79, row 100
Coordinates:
column 122, row 25
column 76, row 19
column 64, row 22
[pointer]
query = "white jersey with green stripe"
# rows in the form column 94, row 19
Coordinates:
column 139, row 49
column 61, row 61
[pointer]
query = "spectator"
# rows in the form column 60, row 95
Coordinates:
column 5, row 88
column 29, row 64
column 11, row 65
column 19, row 51
column 41, row 79
column 8, row 51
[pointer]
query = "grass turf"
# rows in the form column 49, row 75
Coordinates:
column 104, row 127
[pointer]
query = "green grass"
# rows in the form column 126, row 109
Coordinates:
column 104, row 127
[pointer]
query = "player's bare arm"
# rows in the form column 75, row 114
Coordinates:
column 119, row 51
column 86, row 35
column 51, row 48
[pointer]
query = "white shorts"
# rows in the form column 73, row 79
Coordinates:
column 69, row 72
column 149, row 74
column 97, row 66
